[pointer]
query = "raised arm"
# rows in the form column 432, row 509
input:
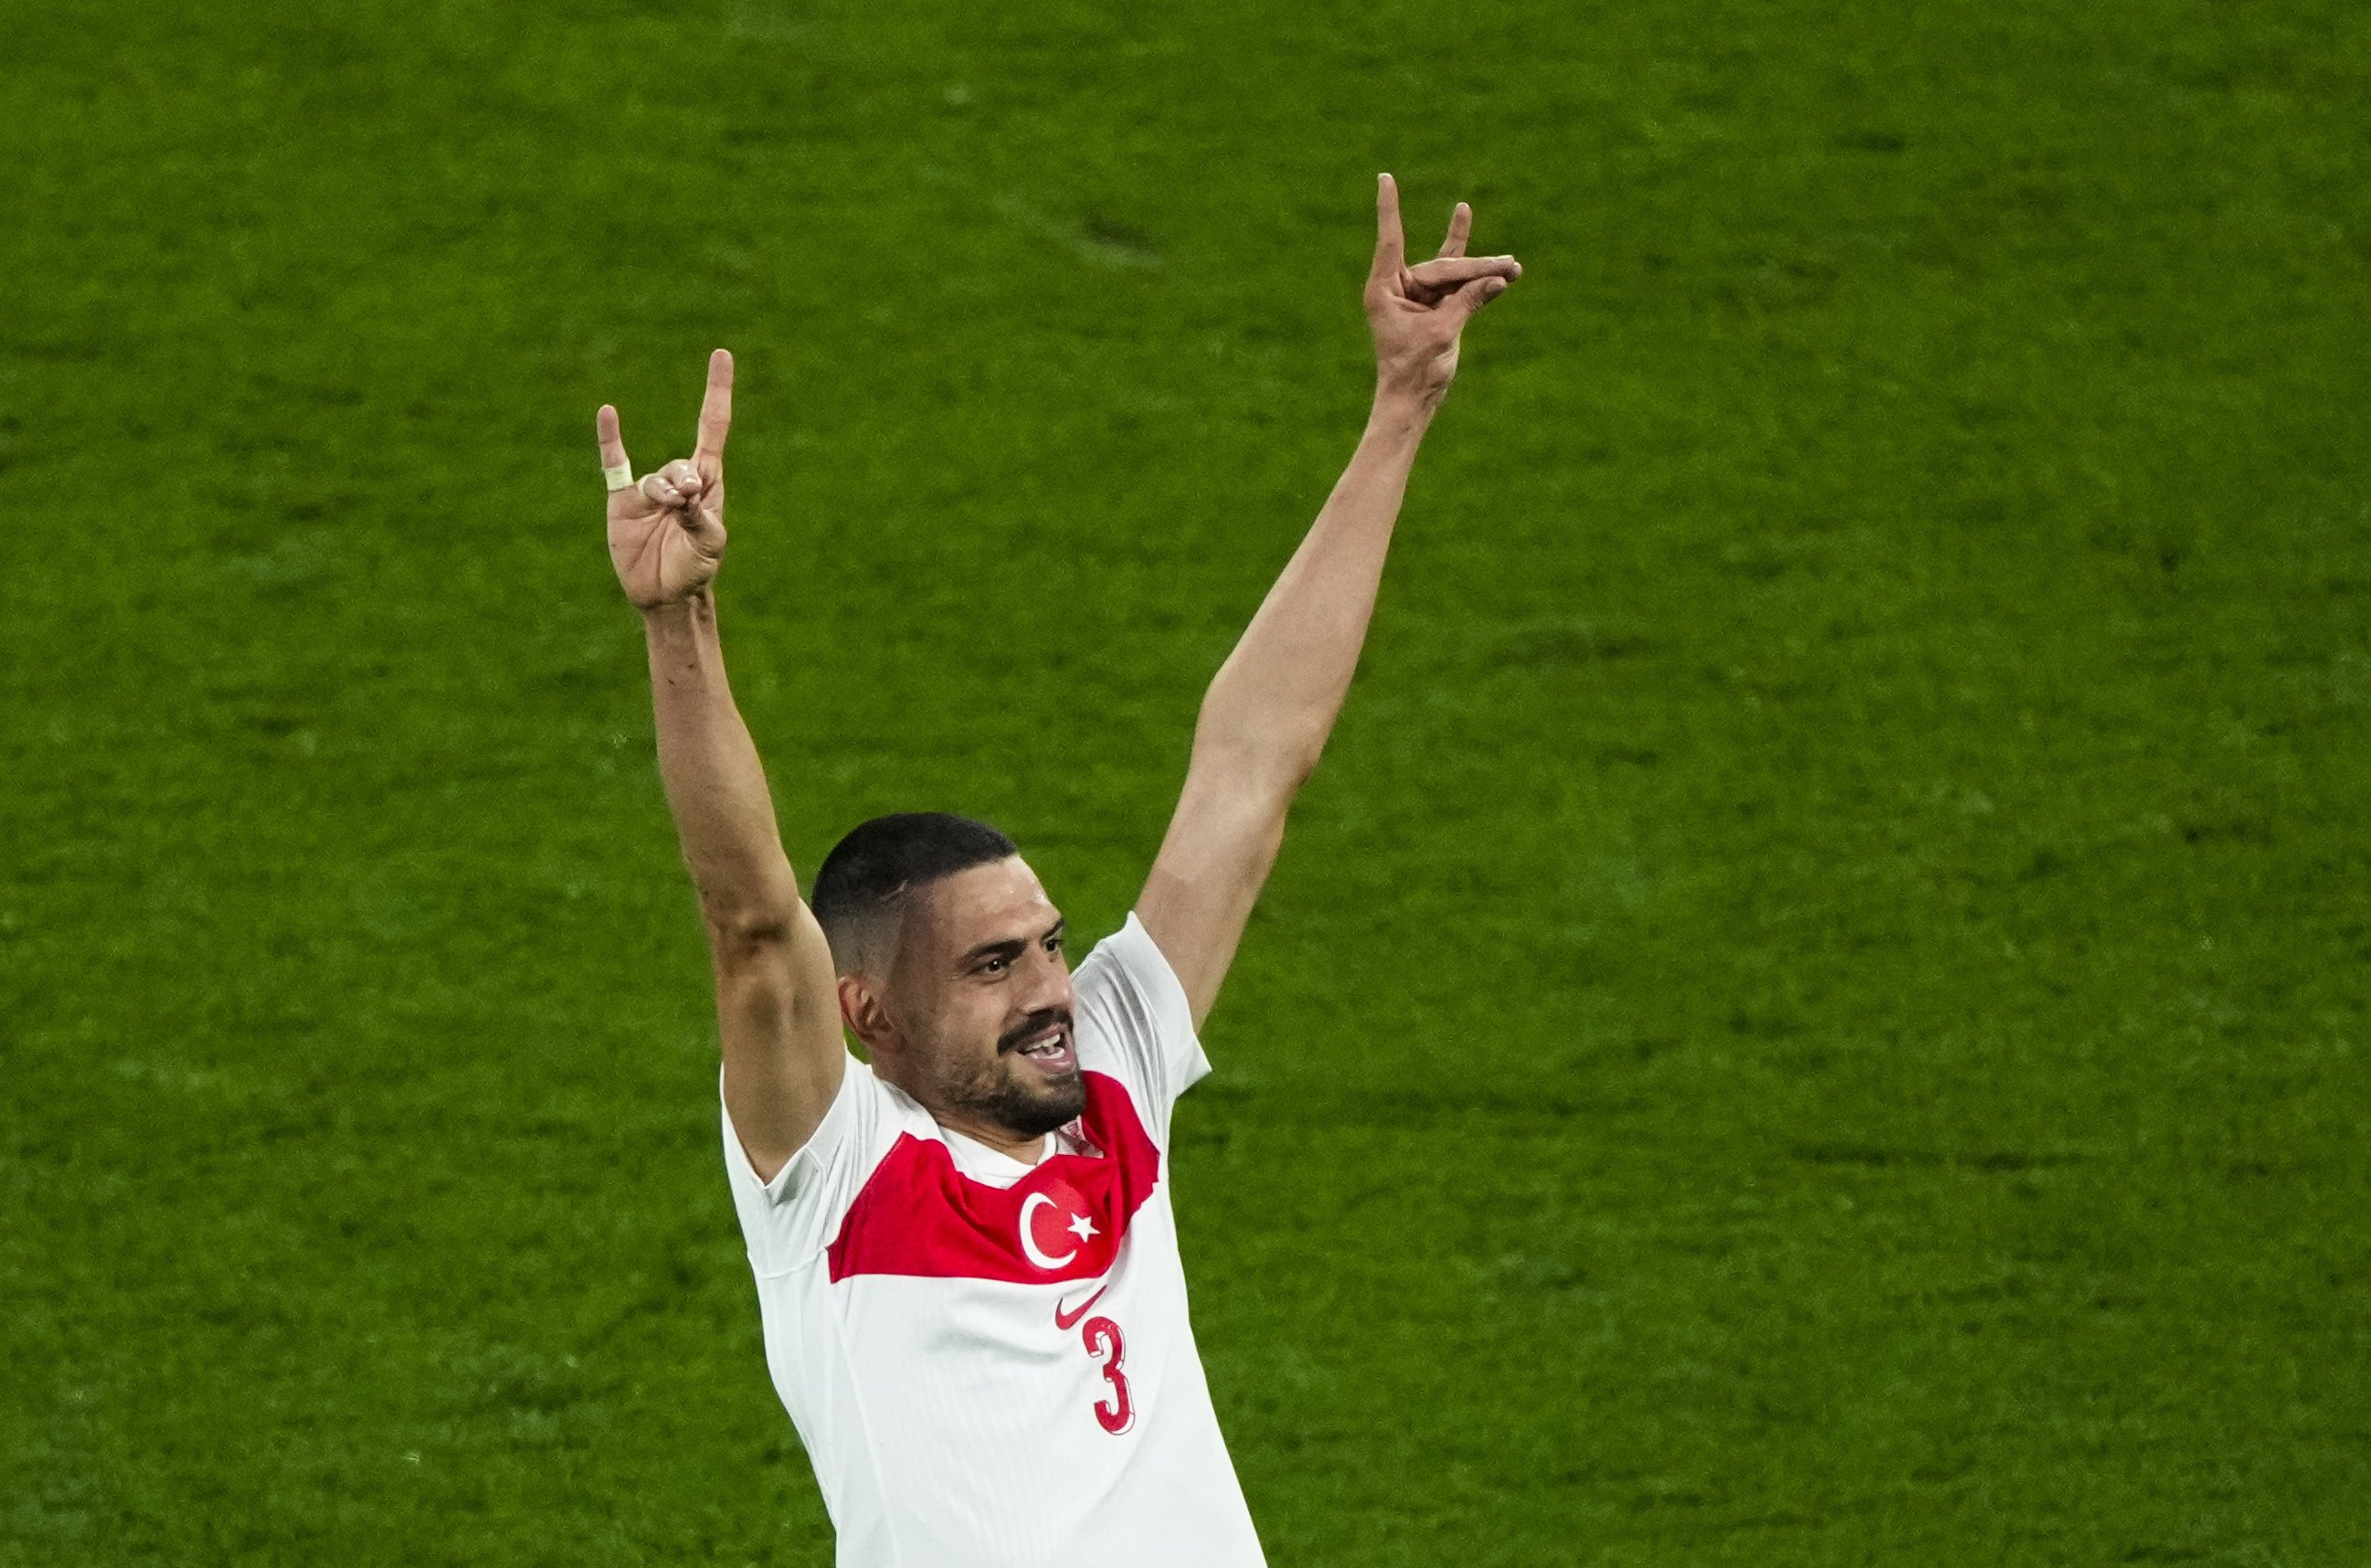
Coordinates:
column 1267, row 715
column 778, row 1010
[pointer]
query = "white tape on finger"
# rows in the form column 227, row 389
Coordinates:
column 618, row 477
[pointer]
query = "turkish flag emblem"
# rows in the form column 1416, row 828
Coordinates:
column 1056, row 1226
column 918, row 1215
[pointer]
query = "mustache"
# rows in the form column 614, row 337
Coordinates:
column 1036, row 1023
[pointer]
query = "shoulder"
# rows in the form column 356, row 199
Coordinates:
column 1135, row 1022
column 1129, row 964
column 788, row 1219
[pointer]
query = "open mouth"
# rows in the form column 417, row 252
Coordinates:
column 1048, row 1051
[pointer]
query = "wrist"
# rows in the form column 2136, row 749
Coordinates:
column 679, row 614
column 1400, row 410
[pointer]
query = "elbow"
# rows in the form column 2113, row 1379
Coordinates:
column 1282, row 776
column 749, row 926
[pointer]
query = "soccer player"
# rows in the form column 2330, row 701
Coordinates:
column 967, row 1264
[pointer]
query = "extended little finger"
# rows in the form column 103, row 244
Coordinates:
column 1460, row 226
column 615, row 467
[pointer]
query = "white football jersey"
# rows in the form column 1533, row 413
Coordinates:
column 990, row 1364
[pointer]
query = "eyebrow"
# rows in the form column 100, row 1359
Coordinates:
column 1011, row 947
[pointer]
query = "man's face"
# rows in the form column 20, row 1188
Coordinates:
column 981, row 996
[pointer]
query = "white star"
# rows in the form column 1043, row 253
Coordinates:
column 1082, row 1227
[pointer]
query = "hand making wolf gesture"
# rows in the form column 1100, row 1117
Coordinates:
column 1416, row 313
column 666, row 531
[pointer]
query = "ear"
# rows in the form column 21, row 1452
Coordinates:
column 861, row 1010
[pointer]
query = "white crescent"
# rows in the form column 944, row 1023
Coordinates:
column 1029, row 1242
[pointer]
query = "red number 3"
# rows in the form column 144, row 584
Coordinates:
column 1101, row 1338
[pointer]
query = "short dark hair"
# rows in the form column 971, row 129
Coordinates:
column 865, row 881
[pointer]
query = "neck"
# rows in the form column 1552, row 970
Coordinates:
column 1004, row 1140
column 1028, row 1149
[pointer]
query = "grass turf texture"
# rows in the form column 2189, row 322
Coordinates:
column 1814, row 1014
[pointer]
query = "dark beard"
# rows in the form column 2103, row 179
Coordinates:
column 1013, row 1106
column 1024, row 1109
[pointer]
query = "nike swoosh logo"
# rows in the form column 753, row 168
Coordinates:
column 1063, row 1321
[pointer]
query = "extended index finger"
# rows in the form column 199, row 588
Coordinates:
column 1391, row 246
column 716, row 408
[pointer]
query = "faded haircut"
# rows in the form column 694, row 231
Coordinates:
column 861, row 887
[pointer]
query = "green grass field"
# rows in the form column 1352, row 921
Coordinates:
column 1815, row 1013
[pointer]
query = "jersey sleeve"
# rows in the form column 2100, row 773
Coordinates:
column 1135, row 1023
column 789, row 1221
